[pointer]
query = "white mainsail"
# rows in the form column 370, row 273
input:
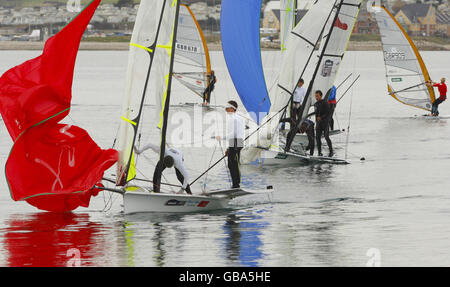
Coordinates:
column 333, row 52
column 406, row 73
column 299, row 55
column 192, row 60
column 301, row 44
column 148, row 77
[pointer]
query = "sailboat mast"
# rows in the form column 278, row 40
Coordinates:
column 123, row 179
column 169, row 84
column 311, row 83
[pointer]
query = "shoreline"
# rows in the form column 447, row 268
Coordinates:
column 124, row 46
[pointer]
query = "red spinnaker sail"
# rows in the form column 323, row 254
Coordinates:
column 52, row 166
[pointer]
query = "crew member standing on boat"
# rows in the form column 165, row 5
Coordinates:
column 172, row 158
column 308, row 127
column 442, row 87
column 235, row 138
column 332, row 103
column 212, row 80
column 299, row 95
column 322, row 111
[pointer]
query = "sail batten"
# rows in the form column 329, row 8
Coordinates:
column 404, row 65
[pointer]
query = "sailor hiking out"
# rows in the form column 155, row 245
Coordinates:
column 172, row 158
column 442, row 87
column 212, row 80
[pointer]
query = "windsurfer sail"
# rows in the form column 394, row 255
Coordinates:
column 52, row 166
column 192, row 60
column 406, row 73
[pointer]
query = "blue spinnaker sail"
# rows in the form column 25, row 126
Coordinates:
column 240, row 23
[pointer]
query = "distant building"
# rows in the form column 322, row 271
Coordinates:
column 366, row 22
column 419, row 19
column 443, row 23
column 424, row 20
column 272, row 19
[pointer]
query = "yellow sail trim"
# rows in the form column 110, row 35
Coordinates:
column 129, row 121
column 426, row 75
column 132, row 169
column 288, row 9
column 141, row 47
column 202, row 36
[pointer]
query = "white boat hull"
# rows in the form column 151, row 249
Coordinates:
column 143, row 201
column 271, row 157
column 302, row 139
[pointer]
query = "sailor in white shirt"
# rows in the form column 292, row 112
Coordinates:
column 235, row 138
column 172, row 158
column 299, row 95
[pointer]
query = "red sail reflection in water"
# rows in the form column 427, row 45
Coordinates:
column 53, row 240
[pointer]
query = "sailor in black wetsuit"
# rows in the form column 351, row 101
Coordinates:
column 322, row 111
column 308, row 127
column 212, row 80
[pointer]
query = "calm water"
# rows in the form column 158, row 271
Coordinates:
column 391, row 209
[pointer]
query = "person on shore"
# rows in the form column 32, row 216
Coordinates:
column 212, row 80
column 442, row 88
column 322, row 112
column 235, row 138
column 332, row 103
column 172, row 158
column 308, row 127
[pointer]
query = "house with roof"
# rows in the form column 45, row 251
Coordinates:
column 366, row 22
column 443, row 23
column 419, row 19
column 272, row 19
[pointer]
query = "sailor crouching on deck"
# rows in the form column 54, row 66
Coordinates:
column 235, row 138
column 172, row 158
column 308, row 127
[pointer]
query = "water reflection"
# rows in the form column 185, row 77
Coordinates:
column 243, row 243
column 171, row 240
column 53, row 239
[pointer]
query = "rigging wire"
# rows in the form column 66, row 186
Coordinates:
column 350, row 111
